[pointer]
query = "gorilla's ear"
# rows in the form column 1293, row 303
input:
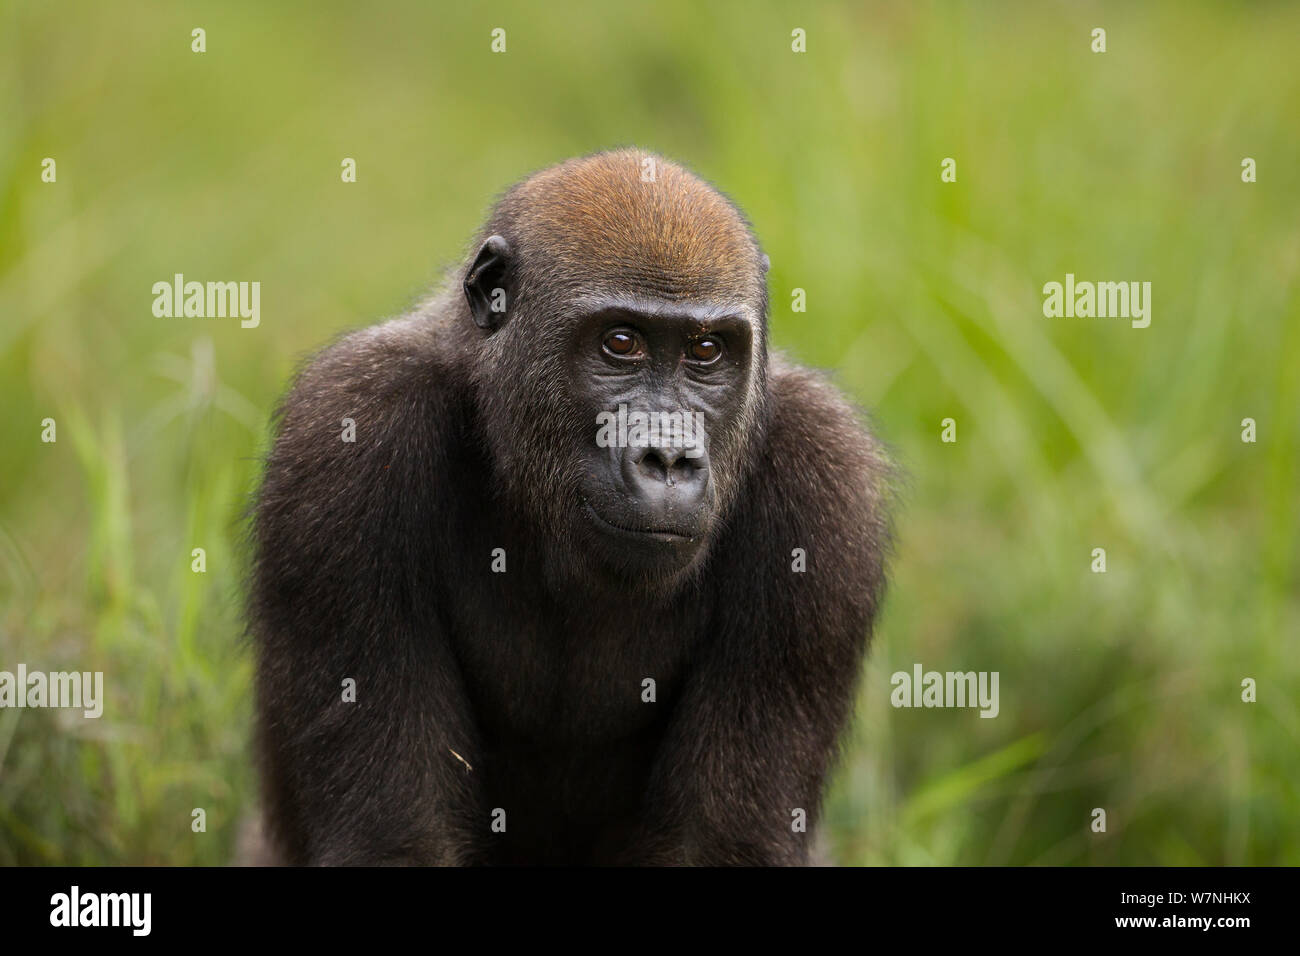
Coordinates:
column 485, row 284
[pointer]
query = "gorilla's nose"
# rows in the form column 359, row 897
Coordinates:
column 667, row 480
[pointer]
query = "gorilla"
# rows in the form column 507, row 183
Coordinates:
column 501, row 617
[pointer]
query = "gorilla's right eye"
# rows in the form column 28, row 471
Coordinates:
column 620, row 343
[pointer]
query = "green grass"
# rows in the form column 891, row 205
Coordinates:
column 1118, row 691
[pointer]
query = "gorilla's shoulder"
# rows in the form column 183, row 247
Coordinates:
column 370, row 365
column 823, row 441
column 378, row 404
column 387, row 378
column 363, row 437
column 826, row 478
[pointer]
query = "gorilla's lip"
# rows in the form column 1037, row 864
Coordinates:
column 666, row 535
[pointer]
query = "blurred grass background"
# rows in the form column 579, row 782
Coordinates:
column 1119, row 691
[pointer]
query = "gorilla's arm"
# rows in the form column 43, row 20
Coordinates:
column 344, row 586
column 754, row 731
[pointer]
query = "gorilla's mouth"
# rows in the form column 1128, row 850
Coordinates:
column 675, row 536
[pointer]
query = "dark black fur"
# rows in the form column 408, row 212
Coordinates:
column 522, row 690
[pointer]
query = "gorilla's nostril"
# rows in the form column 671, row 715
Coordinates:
column 668, row 465
column 653, row 465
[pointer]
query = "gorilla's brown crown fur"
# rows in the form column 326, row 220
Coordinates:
column 636, row 222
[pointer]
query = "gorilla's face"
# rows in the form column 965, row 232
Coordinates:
column 622, row 426
column 621, row 364
column 659, row 393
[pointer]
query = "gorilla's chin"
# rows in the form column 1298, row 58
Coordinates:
column 644, row 548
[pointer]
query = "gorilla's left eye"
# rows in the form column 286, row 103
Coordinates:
column 620, row 343
column 705, row 351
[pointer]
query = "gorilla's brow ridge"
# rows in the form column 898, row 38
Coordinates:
column 704, row 311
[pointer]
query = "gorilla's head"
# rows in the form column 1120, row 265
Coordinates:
column 619, row 305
